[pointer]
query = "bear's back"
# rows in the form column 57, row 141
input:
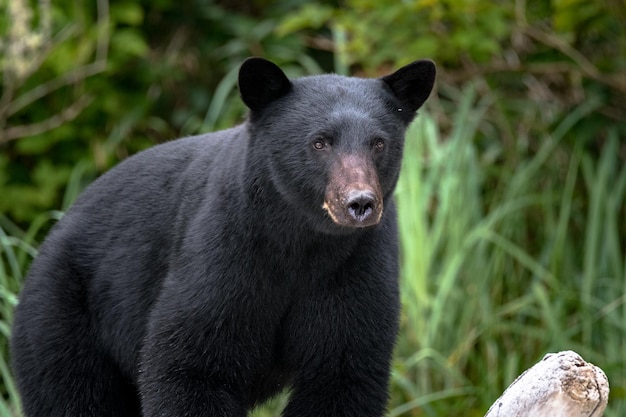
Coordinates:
column 112, row 241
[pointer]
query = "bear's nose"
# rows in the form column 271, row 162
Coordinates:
column 360, row 205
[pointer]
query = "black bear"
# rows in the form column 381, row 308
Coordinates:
column 205, row 275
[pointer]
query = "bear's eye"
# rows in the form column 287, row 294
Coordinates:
column 379, row 144
column 319, row 144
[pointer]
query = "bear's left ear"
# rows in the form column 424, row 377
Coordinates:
column 261, row 82
column 412, row 83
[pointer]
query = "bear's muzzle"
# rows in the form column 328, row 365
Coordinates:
column 353, row 195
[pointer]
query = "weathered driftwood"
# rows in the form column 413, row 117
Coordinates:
column 561, row 385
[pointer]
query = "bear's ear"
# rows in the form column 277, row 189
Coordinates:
column 261, row 82
column 412, row 83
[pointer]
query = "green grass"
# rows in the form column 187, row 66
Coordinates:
column 499, row 269
column 501, row 263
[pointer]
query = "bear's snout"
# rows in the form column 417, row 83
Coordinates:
column 353, row 195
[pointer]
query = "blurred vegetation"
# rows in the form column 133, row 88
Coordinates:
column 513, row 194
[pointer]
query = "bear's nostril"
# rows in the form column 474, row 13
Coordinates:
column 360, row 209
column 361, row 205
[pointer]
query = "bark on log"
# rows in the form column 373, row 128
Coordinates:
column 561, row 385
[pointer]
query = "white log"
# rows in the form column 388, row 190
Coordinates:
column 561, row 385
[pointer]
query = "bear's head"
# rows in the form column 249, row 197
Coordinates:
column 332, row 145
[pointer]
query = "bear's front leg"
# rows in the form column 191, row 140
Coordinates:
column 180, row 378
column 181, row 394
column 342, row 340
column 201, row 355
column 340, row 389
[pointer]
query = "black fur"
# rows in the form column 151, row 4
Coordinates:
column 203, row 276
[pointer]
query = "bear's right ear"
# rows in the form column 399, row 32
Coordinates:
column 261, row 82
column 412, row 83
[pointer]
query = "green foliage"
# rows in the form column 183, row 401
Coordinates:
column 466, row 32
column 499, row 270
column 64, row 82
column 465, row 27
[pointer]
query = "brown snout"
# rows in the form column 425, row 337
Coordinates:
column 353, row 194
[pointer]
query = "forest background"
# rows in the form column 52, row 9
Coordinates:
column 513, row 192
